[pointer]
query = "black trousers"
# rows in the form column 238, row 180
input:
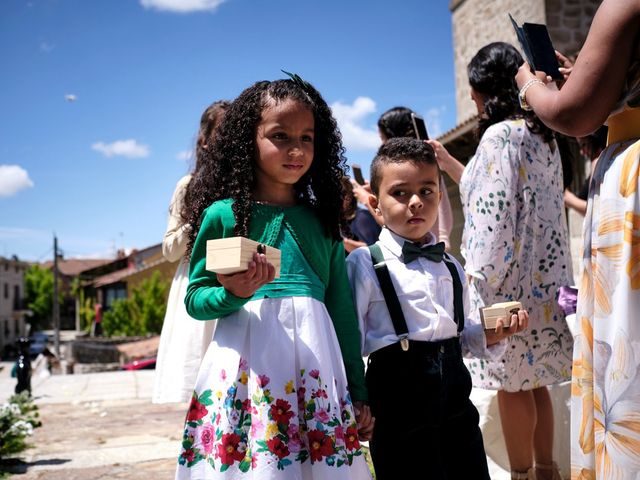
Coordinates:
column 426, row 426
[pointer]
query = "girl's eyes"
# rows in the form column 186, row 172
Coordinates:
column 284, row 136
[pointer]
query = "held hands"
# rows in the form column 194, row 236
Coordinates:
column 365, row 421
column 442, row 155
column 245, row 284
column 517, row 323
column 361, row 192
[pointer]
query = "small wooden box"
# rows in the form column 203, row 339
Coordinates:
column 490, row 315
column 233, row 254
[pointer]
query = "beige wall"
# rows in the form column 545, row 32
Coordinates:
column 477, row 23
column 12, row 324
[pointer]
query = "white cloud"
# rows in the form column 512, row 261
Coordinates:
column 46, row 47
column 122, row 148
column 350, row 118
column 182, row 6
column 433, row 119
column 13, row 178
column 185, row 155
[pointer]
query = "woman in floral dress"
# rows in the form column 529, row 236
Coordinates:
column 515, row 245
column 604, row 85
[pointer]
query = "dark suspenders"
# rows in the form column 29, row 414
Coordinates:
column 393, row 304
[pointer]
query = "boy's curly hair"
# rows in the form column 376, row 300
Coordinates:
column 492, row 73
column 228, row 170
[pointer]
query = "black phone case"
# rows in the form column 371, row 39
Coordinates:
column 537, row 48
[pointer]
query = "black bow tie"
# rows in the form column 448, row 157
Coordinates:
column 411, row 251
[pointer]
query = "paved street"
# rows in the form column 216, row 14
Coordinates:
column 100, row 426
column 104, row 426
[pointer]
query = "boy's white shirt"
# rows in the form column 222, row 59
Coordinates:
column 425, row 291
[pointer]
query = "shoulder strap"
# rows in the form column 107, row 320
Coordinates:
column 458, row 306
column 389, row 293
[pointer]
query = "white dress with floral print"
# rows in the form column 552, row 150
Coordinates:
column 248, row 419
column 515, row 245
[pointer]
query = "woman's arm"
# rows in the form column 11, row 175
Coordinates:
column 447, row 163
column 174, row 243
column 597, row 78
column 572, row 201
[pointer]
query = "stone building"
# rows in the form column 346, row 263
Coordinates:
column 476, row 23
column 12, row 309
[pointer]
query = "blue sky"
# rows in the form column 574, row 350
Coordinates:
column 101, row 99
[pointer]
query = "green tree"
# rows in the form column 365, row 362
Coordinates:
column 141, row 313
column 39, row 295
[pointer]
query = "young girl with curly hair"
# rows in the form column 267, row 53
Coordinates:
column 280, row 392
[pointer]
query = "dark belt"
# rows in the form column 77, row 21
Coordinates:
column 433, row 349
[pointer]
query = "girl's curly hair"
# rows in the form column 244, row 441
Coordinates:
column 492, row 73
column 228, row 166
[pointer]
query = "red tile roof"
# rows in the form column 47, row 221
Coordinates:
column 74, row 266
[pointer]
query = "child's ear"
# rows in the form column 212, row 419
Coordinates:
column 373, row 203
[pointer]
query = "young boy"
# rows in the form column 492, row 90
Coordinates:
column 418, row 384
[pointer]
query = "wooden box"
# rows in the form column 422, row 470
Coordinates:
column 490, row 315
column 233, row 254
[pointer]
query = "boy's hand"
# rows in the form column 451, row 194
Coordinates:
column 364, row 420
column 517, row 323
column 245, row 284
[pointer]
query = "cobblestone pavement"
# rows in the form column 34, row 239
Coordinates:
column 123, row 436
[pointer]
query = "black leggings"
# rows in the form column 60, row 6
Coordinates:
column 425, row 422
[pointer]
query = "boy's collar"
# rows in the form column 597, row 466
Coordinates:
column 394, row 242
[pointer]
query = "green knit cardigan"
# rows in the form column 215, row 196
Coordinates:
column 206, row 298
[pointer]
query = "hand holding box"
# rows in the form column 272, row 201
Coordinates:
column 233, row 254
column 490, row 315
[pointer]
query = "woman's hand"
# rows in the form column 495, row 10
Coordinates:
column 364, row 420
column 517, row 323
column 446, row 162
column 566, row 66
column 245, row 284
column 361, row 192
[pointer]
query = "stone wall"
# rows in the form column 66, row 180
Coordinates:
column 568, row 22
column 479, row 22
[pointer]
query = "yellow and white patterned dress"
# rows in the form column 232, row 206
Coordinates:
column 605, row 403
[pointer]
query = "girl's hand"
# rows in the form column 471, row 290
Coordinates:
column 517, row 323
column 245, row 284
column 364, row 420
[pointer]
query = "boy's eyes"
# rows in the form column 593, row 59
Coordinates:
column 402, row 193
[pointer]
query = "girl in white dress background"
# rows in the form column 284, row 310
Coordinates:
column 183, row 341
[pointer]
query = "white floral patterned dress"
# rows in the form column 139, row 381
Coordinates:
column 271, row 398
column 515, row 245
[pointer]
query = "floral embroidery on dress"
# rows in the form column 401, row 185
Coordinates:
column 263, row 428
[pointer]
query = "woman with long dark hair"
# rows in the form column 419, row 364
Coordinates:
column 515, row 245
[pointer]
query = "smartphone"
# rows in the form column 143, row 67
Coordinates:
column 357, row 174
column 419, row 127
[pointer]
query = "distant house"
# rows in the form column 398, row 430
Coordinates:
column 68, row 270
column 12, row 308
column 126, row 273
